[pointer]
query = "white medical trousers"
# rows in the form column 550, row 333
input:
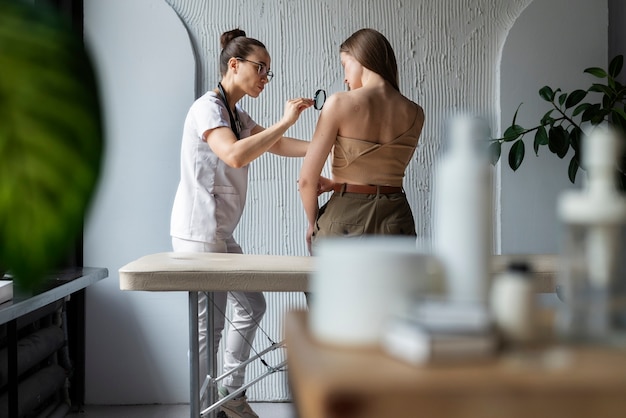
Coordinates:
column 248, row 309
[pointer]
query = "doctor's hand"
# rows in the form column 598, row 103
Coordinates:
column 294, row 107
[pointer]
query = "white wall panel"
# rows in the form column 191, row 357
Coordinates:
column 136, row 348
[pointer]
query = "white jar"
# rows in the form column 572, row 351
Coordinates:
column 513, row 305
column 360, row 283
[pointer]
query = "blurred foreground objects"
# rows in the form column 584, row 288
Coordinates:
column 51, row 139
column 593, row 264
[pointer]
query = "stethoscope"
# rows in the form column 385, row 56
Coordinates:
column 235, row 125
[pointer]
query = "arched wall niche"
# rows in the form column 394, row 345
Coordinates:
column 449, row 60
column 551, row 43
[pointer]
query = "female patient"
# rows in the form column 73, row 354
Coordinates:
column 372, row 131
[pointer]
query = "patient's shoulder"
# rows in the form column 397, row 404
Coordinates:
column 346, row 103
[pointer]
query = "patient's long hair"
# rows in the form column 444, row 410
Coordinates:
column 374, row 52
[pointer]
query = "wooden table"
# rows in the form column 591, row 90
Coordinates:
column 331, row 382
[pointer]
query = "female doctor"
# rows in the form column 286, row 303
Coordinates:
column 219, row 141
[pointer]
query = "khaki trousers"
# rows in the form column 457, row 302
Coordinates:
column 354, row 214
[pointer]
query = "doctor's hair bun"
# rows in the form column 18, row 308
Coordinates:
column 230, row 35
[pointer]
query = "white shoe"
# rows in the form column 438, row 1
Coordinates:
column 238, row 407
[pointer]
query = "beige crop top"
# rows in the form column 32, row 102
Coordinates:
column 364, row 162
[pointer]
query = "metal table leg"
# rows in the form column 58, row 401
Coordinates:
column 208, row 388
column 211, row 355
column 197, row 390
column 194, row 400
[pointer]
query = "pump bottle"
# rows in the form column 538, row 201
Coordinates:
column 594, row 220
column 463, row 206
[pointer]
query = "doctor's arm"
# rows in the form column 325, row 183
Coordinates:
column 290, row 147
column 238, row 153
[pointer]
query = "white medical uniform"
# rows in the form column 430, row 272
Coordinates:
column 207, row 208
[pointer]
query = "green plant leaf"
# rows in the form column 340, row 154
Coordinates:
column 572, row 169
column 596, row 71
column 580, row 108
column 516, row 154
column 620, row 112
column 494, row 150
column 575, row 137
column 558, row 141
column 600, row 116
column 547, row 119
column 562, row 98
column 546, row 93
column 574, row 98
column 606, row 102
column 618, row 118
column 541, row 138
column 51, row 139
column 612, row 83
column 615, row 66
column 601, row 88
column 591, row 112
column 515, row 114
column 512, row 133
column 620, row 91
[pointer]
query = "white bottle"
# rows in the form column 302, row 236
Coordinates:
column 463, row 206
column 513, row 305
column 592, row 256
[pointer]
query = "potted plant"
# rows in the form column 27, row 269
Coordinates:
column 563, row 126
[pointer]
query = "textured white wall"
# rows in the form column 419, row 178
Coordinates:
column 449, row 54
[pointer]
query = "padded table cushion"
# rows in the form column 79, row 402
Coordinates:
column 177, row 271
column 266, row 273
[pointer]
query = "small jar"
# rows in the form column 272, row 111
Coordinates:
column 513, row 303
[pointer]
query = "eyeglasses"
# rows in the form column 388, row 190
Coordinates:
column 261, row 68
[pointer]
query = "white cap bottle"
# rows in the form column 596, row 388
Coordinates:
column 462, row 210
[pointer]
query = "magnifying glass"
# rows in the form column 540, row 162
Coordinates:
column 319, row 98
